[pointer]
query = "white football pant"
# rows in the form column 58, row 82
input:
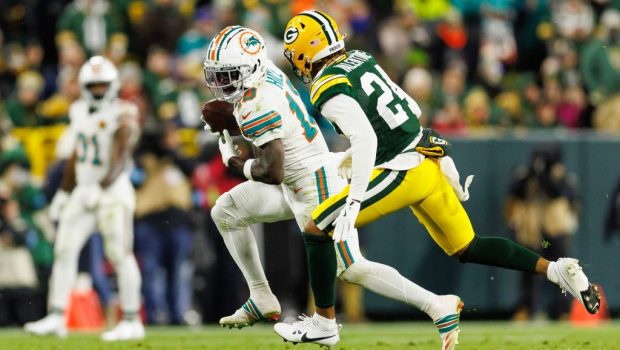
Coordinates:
column 254, row 202
column 113, row 217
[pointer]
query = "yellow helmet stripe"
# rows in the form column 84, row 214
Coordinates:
column 326, row 86
column 327, row 28
column 317, row 84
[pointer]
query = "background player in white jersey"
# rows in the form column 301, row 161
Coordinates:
column 292, row 174
column 96, row 193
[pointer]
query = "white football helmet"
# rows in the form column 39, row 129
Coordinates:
column 98, row 69
column 235, row 62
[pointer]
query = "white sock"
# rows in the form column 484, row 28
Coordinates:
column 243, row 249
column 385, row 280
column 325, row 323
column 552, row 273
column 259, row 288
column 64, row 273
column 129, row 282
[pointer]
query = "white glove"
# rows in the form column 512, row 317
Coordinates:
column 345, row 223
column 227, row 148
column 58, row 202
column 90, row 195
column 344, row 165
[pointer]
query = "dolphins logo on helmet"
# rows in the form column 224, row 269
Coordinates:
column 235, row 62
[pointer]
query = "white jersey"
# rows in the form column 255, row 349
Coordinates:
column 274, row 110
column 93, row 135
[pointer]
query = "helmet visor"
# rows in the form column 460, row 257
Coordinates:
column 98, row 89
column 224, row 82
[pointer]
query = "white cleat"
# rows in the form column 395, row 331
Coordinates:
column 307, row 330
column 52, row 324
column 448, row 324
column 254, row 310
column 125, row 330
column 567, row 273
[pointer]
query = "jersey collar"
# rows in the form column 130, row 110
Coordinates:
column 329, row 64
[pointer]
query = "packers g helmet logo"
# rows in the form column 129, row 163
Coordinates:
column 438, row 140
column 291, row 35
column 250, row 43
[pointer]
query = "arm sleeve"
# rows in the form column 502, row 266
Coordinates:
column 352, row 121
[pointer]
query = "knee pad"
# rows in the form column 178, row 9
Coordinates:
column 65, row 247
column 357, row 272
column 225, row 214
column 62, row 252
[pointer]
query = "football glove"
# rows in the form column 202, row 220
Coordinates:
column 227, row 148
column 431, row 144
column 58, row 202
column 344, row 165
column 345, row 223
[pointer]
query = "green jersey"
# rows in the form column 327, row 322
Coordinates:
column 392, row 113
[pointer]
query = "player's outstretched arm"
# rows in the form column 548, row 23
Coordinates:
column 268, row 167
column 346, row 112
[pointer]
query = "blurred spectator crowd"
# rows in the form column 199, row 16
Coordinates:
column 474, row 66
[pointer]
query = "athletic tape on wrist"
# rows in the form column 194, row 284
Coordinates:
column 247, row 169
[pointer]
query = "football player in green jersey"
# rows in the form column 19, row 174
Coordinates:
column 395, row 163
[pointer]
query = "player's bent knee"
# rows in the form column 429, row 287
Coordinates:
column 217, row 214
column 225, row 214
column 66, row 250
column 463, row 253
column 357, row 272
column 222, row 209
column 66, row 253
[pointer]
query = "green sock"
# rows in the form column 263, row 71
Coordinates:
column 501, row 252
column 321, row 257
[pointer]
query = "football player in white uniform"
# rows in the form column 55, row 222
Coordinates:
column 292, row 174
column 96, row 193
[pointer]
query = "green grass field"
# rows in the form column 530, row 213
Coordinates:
column 369, row 336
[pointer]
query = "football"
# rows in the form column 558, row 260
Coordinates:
column 219, row 116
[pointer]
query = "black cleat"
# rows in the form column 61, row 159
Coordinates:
column 591, row 299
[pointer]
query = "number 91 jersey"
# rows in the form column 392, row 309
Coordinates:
column 274, row 110
column 392, row 113
column 93, row 135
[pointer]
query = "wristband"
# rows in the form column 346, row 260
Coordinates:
column 247, row 169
